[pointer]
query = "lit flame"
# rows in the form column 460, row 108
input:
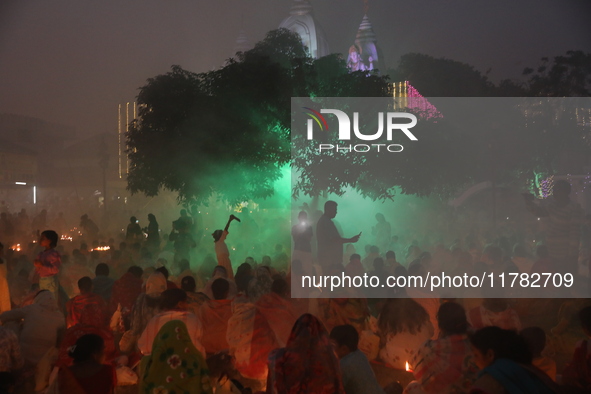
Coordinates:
column 16, row 248
column 407, row 367
column 101, row 248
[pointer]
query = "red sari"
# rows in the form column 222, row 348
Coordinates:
column 102, row 382
column 76, row 305
column 125, row 291
column 214, row 316
column 280, row 315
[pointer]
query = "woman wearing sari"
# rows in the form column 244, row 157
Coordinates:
column 307, row 364
column 445, row 365
column 260, row 284
column 174, row 365
column 404, row 326
column 88, row 374
column 250, row 340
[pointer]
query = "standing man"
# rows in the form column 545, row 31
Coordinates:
column 330, row 242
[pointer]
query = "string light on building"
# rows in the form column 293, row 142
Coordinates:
column 546, row 186
column 130, row 113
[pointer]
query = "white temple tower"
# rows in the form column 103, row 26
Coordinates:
column 301, row 21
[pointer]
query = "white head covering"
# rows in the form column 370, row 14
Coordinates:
column 155, row 284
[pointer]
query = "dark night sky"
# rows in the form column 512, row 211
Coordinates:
column 73, row 62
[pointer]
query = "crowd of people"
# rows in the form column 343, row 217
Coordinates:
column 137, row 315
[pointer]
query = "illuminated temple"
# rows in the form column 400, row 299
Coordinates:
column 301, row 20
column 364, row 54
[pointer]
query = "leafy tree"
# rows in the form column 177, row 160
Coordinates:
column 227, row 132
column 564, row 76
column 442, row 77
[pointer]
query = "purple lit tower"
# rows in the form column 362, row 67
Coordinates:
column 366, row 45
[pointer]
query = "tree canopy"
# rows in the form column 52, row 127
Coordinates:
column 566, row 75
column 227, row 131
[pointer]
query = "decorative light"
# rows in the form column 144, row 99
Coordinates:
column 546, row 186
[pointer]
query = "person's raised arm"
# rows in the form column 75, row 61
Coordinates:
column 228, row 224
column 232, row 217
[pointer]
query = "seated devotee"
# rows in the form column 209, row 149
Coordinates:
column 494, row 312
column 278, row 310
column 92, row 321
column 173, row 304
column 243, row 277
column 164, row 271
column 535, row 337
column 404, row 326
column 10, row 351
column 354, row 267
column 578, row 372
column 250, row 340
column 307, row 364
column 357, row 375
column 214, row 315
column 220, row 272
column 260, row 284
column 374, row 253
column 353, row 311
column 76, row 305
column 175, row 364
column 88, row 374
column 194, row 300
column 145, row 308
column 391, row 262
column 183, row 269
column 505, row 365
column 445, row 365
column 102, row 284
column 41, row 322
column 126, row 290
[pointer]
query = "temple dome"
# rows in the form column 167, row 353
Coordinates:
column 301, row 21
